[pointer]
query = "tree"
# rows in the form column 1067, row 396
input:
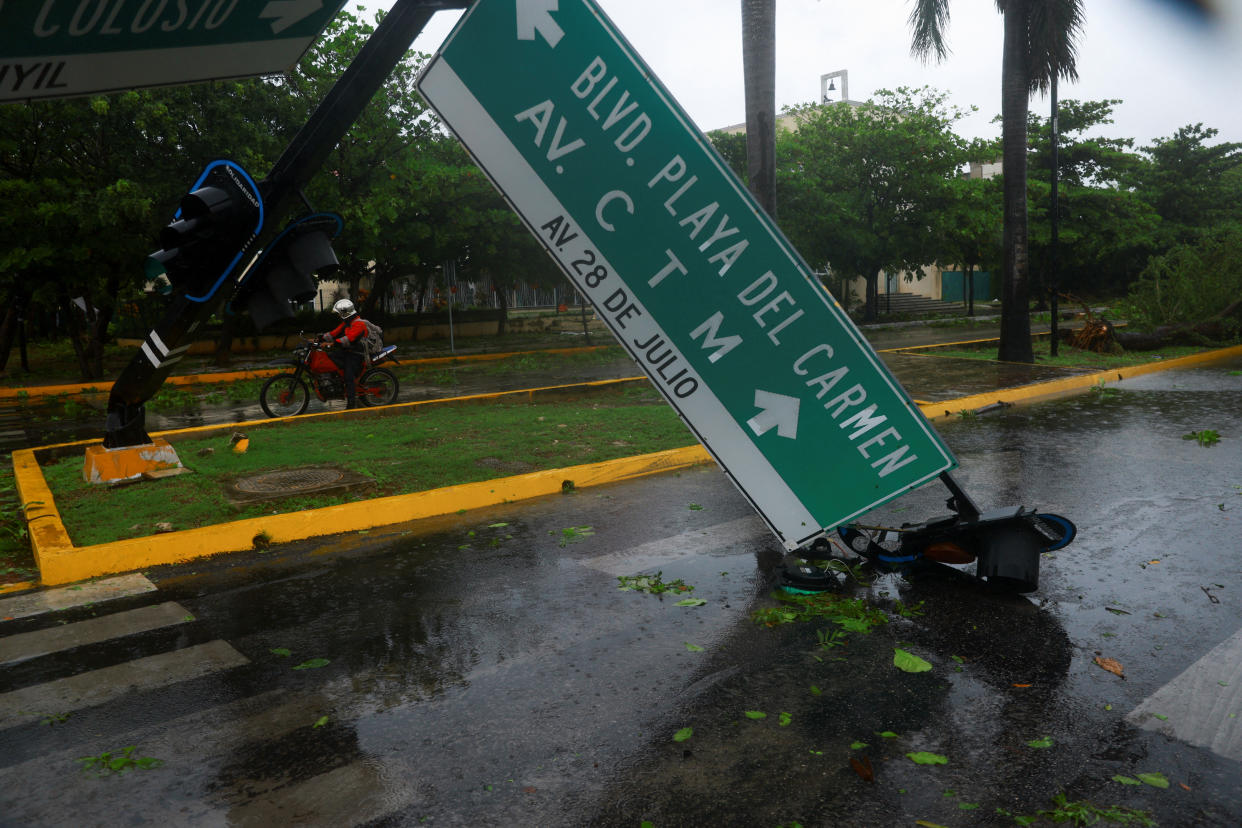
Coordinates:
column 971, row 223
column 759, row 68
column 868, row 187
column 1195, row 187
column 85, row 185
column 1040, row 40
column 1106, row 229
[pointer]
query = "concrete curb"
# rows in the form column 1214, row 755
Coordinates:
column 34, row 391
column 61, row 562
column 1069, row 385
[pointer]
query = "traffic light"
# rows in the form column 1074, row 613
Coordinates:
column 284, row 273
column 210, row 234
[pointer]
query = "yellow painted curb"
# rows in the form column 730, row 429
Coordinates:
column 60, row 562
column 1068, row 385
column 104, row 387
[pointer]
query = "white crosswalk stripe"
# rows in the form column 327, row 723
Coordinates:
column 1201, row 705
column 92, row 592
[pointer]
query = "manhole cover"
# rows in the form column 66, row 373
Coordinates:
column 290, row 482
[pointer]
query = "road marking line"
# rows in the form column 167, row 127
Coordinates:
column 93, row 592
column 98, row 686
column 686, row 545
column 1197, row 705
column 29, row 645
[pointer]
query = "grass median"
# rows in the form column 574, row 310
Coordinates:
column 403, row 451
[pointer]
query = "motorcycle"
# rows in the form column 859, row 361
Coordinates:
column 287, row 395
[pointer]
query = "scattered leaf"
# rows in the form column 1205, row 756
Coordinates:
column 497, row 525
column 690, row 602
column 694, row 507
column 815, row 691
column 1161, row 717
column 313, row 663
column 785, row 719
column 967, row 806
column 756, row 714
column 923, row 757
column 1183, row 786
column 909, row 662
column 1156, row 780
column 694, row 648
column 1112, row 665
column 887, row 734
column 1116, row 610
column 1044, row 742
column 863, row 768
column 281, row 651
column 683, row 734
column 1022, row 685
column 320, row 722
column 857, row 745
column 1126, row 780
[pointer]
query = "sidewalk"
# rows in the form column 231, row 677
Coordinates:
column 950, row 387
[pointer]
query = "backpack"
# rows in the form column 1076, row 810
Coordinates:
column 373, row 342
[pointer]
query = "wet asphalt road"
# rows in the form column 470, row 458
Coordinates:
column 485, row 670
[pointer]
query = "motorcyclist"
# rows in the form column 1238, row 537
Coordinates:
column 350, row 339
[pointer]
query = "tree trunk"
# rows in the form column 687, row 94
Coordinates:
column 76, row 334
column 9, row 327
column 872, row 301
column 968, row 285
column 381, row 281
column 759, row 71
column 1015, row 333
column 504, row 309
column 224, row 345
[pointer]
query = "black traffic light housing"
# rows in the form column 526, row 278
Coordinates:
column 211, row 233
column 284, row 273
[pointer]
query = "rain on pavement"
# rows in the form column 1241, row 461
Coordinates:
column 484, row 669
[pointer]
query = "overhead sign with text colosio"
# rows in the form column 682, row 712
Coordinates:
column 62, row 48
column 682, row 264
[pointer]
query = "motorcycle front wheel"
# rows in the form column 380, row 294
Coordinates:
column 378, row 386
column 284, row 395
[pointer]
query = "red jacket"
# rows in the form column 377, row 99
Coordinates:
column 350, row 333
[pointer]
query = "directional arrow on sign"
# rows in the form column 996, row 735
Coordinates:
column 289, row 12
column 536, row 16
column 778, row 411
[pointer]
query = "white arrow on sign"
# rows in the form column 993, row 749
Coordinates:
column 779, row 411
column 289, row 12
column 536, row 16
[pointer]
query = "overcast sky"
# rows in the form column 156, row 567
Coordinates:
column 1168, row 69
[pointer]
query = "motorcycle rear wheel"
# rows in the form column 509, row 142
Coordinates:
column 284, row 395
column 379, row 386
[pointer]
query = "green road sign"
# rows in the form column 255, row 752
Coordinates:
column 60, row 48
column 688, row 271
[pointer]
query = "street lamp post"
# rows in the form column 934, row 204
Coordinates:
column 1055, row 208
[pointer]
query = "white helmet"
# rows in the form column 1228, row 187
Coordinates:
column 344, row 308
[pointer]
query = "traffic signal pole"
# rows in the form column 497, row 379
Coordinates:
column 195, row 300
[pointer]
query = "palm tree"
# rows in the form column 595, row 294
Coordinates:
column 1040, row 41
column 759, row 69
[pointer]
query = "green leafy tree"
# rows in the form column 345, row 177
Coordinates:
column 1106, row 231
column 971, row 226
column 1193, row 185
column 867, row 187
column 1039, row 42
